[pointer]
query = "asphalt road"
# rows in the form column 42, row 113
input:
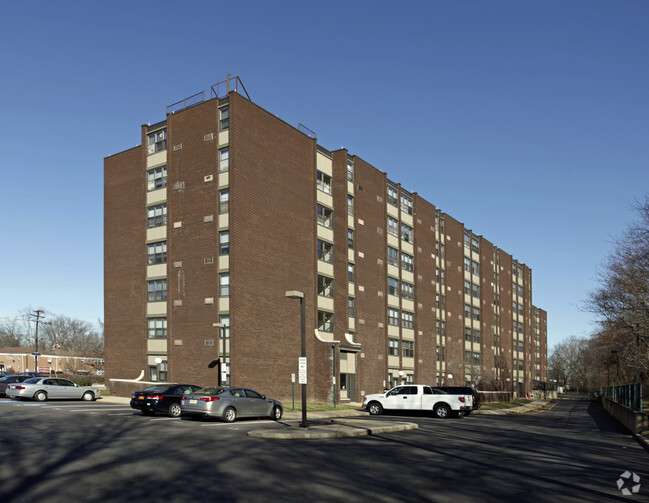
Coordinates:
column 93, row 452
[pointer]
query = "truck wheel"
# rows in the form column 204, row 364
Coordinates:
column 467, row 412
column 375, row 408
column 442, row 411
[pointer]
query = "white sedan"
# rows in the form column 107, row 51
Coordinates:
column 44, row 388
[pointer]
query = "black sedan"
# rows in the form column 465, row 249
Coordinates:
column 162, row 398
column 5, row 381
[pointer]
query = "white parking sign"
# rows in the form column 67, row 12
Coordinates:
column 301, row 366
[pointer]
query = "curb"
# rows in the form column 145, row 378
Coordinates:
column 338, row 428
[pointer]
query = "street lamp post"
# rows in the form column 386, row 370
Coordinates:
column 294, row 294
column 508, row 380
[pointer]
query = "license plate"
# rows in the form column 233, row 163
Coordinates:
column 140, row 398
column 192, row 401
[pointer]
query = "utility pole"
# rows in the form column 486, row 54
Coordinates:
column 38, row 315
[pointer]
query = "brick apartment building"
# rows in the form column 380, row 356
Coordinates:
column 225, row 207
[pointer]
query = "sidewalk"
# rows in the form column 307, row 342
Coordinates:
column 521, row 409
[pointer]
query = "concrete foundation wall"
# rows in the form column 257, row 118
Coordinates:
column 634, row 421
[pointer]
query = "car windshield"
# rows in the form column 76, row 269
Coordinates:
column 210, row 390
column 156, row 389
column 3, row 379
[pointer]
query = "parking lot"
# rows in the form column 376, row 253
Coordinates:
column 100, row 451
column 114, row 410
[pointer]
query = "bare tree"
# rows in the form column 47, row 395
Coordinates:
column 73, row 335
column 12, row 332
column 621, row 302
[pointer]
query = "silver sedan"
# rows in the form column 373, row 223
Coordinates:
column 230, row 403
column 44, row 388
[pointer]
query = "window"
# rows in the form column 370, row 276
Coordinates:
column 475, row 267
column 224, row 160
column 224, row 201
column 350, row 171
column 325, row 286
column 407, row 262
column 393, row 226
column 350, row 205
column 476, row 336
column 467, row 357
column 475, row 290
column 224, row 285
column 224, row 118
column 156, row 216
column 157, row 141
column 351, row 307
column 407, row 320
column 350, row 272
column 467, row 310
column 467, row 240
column 476, row 358
column 224, row 243
column 325, row 321
column 393, row 317
column 325, row 216
column 323, row 182
column 392, row 195
column 156, row 178
column 467, row 264
column 408, row 348
column 393, row 286
column 393, row 347
column 325, row 252
column 467, row 287
column 407, row 291
column 467, row 334
column 350, row 239
column 393, row 256
column 406, row 233
column 157, row 290
column 476, row 313
column 157, row 253
column 224, row 332
column 475, row 244
column 406, row 204
column 157, row 328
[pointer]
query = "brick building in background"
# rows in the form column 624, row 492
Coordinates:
column 225, row 207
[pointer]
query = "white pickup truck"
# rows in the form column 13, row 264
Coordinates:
column 418, row 397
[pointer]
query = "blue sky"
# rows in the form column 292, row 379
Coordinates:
column 527, row 121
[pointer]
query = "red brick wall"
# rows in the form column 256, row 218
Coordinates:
column 189, row 200
column 273, row 243
column 125, row 264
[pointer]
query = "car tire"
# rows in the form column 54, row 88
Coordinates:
column 147, row 412
column 40, row 396
column 442, row 411
column 229, row 415
column 276, row 414
column 467, row 412
column 88, row 396
column 174, row 410
column 375, row 409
